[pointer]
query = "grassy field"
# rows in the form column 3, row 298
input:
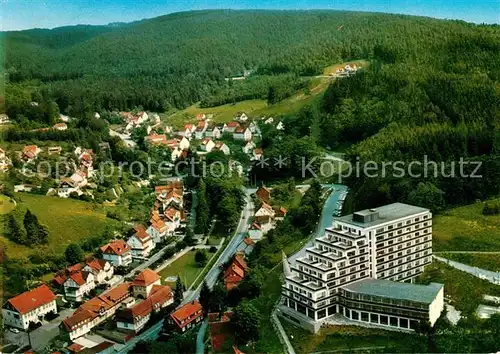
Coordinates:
column 465, row 290
column 67, row 220
column 466, row 229
column 6, row 205
column 480, row 260
column 185, row 267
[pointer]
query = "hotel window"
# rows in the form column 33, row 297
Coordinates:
column 400, row 224
column 417, row 219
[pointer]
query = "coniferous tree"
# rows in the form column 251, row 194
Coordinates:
column 205, row 295
column 202, row 210
column 179, row 290
column 17, row 233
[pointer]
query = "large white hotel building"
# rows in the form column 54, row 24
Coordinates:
column 363, row 268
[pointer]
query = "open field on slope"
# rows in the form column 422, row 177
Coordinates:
column 6, row 205
column 184, row 267
column 67, row 220
column 466, row 229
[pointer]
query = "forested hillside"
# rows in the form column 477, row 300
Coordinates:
column 432, row 87
column 178, row 59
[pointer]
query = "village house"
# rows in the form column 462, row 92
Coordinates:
column 30, row 152
column 264, row 194
column 230, row 127
column 280, row 126
column 28, row 307
column 213, row 132
column 60, row 126
column 5, row 162
column 242, row 133
column 101, row 269
column 249, row 146
column 134, row 319
column 246, row 246
column 4, row 119
column 200, row 129
column 280, row 213
column 77, row 285
column 93, row 312
column 158, row 229
column 265, row 214
column 201, row 116
column 241, row 117
column 171, row 193
column 66, row 188
column 140, row 242
column 235, row 271
column 184, row 144
column 207, row 145
column 117, row 252
column 219, row 325
column 257, row 154
column 253, row 127
column 255, row 231
column 174, row 217
column 188, row 130
column 53, row 150
column 220, row 146
column 144, row 282
column 156, row 139
column 187, row 316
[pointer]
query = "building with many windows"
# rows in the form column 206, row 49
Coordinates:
column 362, row 268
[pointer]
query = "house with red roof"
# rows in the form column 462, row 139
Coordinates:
column 264, row 194
column 235, row 271
column 144, row 282
column 156, row 139
column 221, row 146
column 93, row 312
column 157, row 229
column 207, row 145
column 117, row 252
column 60, row 126
column 265, row 214
column 246, row 246
column 29, row 306
column 213, row 132
column 133, row 319
column 101, row 269
column 220, row 329
column 187, row 316
column 141, row 243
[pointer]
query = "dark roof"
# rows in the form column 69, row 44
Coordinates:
column 386, row 214
column 395, row 290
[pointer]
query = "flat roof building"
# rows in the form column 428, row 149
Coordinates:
column 362, row 269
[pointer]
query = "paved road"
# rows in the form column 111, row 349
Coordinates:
column 200, row 338
column 492, row 277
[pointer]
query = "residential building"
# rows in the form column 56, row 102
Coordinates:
column 134, row 319
column 140, row 242
column 241, row 117
column 219, row 324
column 220, row 146
column 265, row 214
column 207, row 145
column 200, row 129
column 78, row 284
column 246, row 246
column 351, row 271
column 235, row 271
column 93, row 312
column 156, row 139
column 257, row 154
column 249, row 146
column 241, row 133
column 28, row 307
column 117, row 252
column 102, row 269
column 213, row 132
column 230, row 127
column 187, row 316
column 255, row 231
column 158, row 230
column 184, row 143
column 60, row 126
column 30, row 152
column 144, row 282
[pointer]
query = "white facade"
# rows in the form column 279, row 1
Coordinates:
column 118, row 260
column 22, row 321
column 76, row 292
column 140, row 247
column 393, row 242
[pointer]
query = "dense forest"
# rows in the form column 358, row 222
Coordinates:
column 178, row 59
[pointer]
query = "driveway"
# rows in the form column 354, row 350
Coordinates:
column 41, row 336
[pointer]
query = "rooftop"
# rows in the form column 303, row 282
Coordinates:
column 395, row 290
column 383, row 214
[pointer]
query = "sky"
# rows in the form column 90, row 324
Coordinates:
column 24, row 14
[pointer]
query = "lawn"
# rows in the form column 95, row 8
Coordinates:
column 6, row 205
column 185, row 267
column 466, row 229
column 67, row 220
column 345, row 338
column 480, row 260
column 465, row 290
